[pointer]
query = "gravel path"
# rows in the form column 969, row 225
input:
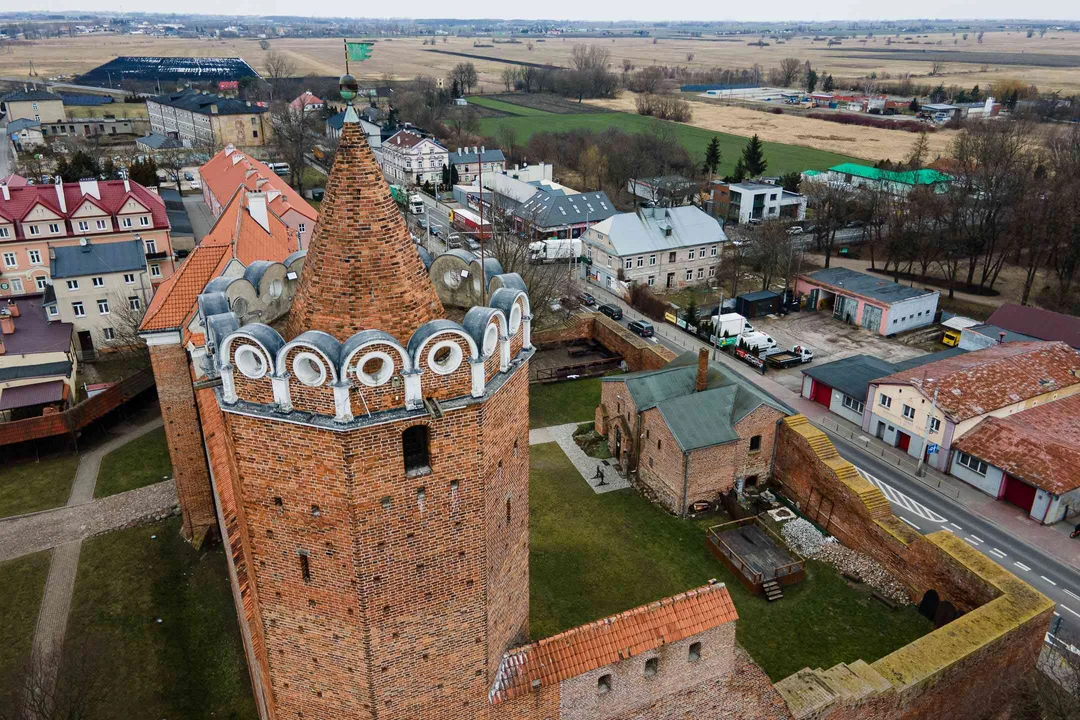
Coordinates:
column 82, row 490
column 564, row 436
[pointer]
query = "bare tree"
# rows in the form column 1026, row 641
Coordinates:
column 173, row 161
column 295, row 133
column 831, row 203
column 75, row 682
column 465, row 74
column 791, row 71
column 509, row 77
column 1063, row 151
column 590, row 57
column 594, row 165
column 279, row 68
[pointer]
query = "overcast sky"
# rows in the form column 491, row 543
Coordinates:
column 601, row 10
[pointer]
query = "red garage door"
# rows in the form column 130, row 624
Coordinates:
column 903, row 440
column 1019, row 493
column 821, row 393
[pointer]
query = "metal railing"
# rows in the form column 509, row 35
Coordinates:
column 754, row 576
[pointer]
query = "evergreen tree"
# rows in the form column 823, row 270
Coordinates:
column 144, row 172
column 914, row 105
column 976, row 94
column 939, row 94
column 753, row 157
column 690, row 313
column 453, row 175
column 828, row 84
column 811, row 81
column 712, row 157
column 791, row 181
column 739, row 173
column 81, row 165
column 445, row 175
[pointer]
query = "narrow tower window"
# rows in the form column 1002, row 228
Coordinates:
column 507, row 511
column 414, row 446
column 305, row 566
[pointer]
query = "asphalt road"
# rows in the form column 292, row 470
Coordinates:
column 928, row 511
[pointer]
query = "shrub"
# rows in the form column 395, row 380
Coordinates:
column 777, row 111
column 665, row 107
column 643, row 300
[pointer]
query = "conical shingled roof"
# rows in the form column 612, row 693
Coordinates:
column 362, row 269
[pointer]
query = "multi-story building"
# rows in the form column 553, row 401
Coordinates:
column 37, row 360
column 231, row 169
column 660, row 247
column 38, row 105
column 35, row 218
column 202, row 120
column 101, row 290
column 468, row 163
column 409, row 158
column 745, row 202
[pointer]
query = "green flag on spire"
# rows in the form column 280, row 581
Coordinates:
column 358, row 51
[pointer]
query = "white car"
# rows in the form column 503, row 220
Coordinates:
column 195, row 185
column 795, row 230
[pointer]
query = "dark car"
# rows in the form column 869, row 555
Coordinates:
column 642, row 328
column 587, row 299
column 612, row 311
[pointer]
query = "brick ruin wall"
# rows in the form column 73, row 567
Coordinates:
column 968, row 668
column 639, row 354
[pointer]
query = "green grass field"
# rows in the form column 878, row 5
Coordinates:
column 23, row 583
column 563, row 402
column 165, row 612
column 506, row 107
column 143, row 461
column 595, row 555
column 781, row 158
column 30, row 486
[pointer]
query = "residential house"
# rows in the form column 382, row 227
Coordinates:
column 659, row 247
column 468, row 163
column 204, row 120
column 745, row 202
column 945, row 400
column 101, row 290
column 37, row 360
column 38, row 105
column 879, row 305
column 691, row 431
column 306, row 102
column 1029, row 459
column 25, row 134
column 231, row 169
column 35, row 218
column 894, row 182
column 664, row 190
column 409, row 158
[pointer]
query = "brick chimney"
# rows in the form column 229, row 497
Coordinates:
column 702, row 370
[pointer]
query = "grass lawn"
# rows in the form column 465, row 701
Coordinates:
column 781, row 157
column 23, row 583
column 563, row 402
column 595, row 555
column 189, row 665
column 508, row 107
column 143, row 461
column 29, row 486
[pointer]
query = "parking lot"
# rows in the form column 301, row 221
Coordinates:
column 830, row 340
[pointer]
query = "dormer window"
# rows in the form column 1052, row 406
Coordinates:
column 144, row 221
column 126, row 222
column 102, row 224
column 83, row 226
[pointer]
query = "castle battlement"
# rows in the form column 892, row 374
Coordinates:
column 369, row 377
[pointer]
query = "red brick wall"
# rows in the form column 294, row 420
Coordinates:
column 184, row 437
column 760, row 422
column 660, row 467
column 639, row 354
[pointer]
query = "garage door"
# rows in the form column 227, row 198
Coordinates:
column 1019, row 493
column 871, row 318
column 821, row 393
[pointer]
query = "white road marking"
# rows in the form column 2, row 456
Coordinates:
column 976, row 538
column 999, row 552
column 1048, row 580
column 1057, row 613
column 911, row 523
column 898, row 498
column 948, row 530
column 957, row 527
column 973, row 540
column 1071, row 610
column 1071, row 594
column 1022, row 566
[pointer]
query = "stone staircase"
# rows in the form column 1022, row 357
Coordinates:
column 772, row 590
column 811, row 693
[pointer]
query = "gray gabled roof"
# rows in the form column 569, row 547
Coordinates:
column 29, row 96
column 97, row 259
column 545, row 210
column 851, row 375
column 875, row 288
column 488, row 156
column 647, row 230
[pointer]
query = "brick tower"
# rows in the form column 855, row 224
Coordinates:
column 373, row 468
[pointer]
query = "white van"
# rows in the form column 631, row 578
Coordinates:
column 761, row 341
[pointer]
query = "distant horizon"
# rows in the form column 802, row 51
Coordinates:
column 920, row 10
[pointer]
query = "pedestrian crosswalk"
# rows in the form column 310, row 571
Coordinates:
column 898, row 498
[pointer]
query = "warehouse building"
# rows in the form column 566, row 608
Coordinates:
column 881, row 306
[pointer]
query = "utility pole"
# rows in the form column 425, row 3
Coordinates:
column 926, row 434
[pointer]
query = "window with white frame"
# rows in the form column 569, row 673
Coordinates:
column 134, row 303
column 155, row 270
column 935, row 425
column 102, row 224
column 16, row 285
column 126, row 222
column 641, row 260
column 629, row 263
column 5, row 232
column 54, row 228
column 301, row 227
column 10, row 260
column 909, row 412
column 701, row 252
column 129, row 278
column 652, row 259
column 83, row 226
column 78, row 310
column 712, row 251
column 885, row 401
column 34, row 229
column 103, row 307
column 41, row 281
column 652, row 280
column 35, row 256
column 972, row 463
column 144, row 221
column 852, row 404
column 151, row 246
column 700, row 273
column 98, row 282
column 690, row 254
column 73, row 284
column 53, row 311
column 108, row 333
column 689, row 274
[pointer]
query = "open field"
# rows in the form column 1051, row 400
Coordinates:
column 594, row 555
column 30, row 486
column 781, row 157
column 863, row 142
column 999, row 56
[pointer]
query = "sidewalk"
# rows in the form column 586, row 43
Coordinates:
column 1052, row 539
column 564, row 436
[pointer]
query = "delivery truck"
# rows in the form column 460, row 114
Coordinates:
column 731, row 325
column 554, row 250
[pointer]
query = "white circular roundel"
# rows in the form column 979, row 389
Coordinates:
column 515, row 318
column 250, row 362
column 452, row 279
column 309, row 369
column 491, row 339
column 374, row 368
column 444, row 357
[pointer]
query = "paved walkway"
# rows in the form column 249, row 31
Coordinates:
column 564, row 436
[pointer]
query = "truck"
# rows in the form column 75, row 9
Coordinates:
column 731, row 325
column 797, row 355
column 469, row 223
column 759, row 340
column 416, row 204
column 554, row 250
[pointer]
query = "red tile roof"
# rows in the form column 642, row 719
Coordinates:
column 979, row 382
column 112, row 193
column 304, row 99
column 230, row 169
column 610, row 640
column 1038, row 323
column 235, row 234
column 404, row 138
column 1040, row 446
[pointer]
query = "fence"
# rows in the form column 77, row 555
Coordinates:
column 78, row 417
column 750, row 574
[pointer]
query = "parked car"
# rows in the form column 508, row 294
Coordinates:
column 798, row 355
column 642, row 328
column 472, row 244
column 795, row 230
column 452, row 243
column 188, row 176
column 421, row 223
column 612, row 311
column 761, row 341
column 435, row 232
column 587, row 299
column 195, row 185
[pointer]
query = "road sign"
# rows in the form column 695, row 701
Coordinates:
column 932, row 448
